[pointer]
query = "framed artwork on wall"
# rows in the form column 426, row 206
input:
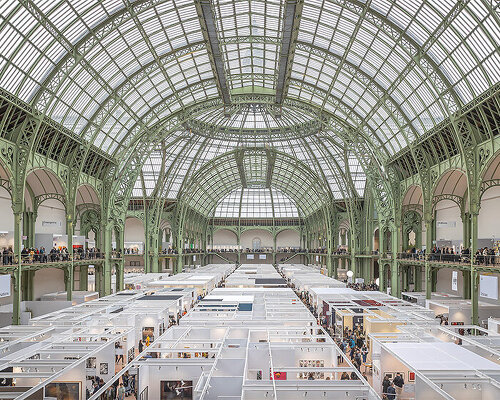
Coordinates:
column 103, row 368
column 91, row 362
column 63, row 390
column 170, row 390
column 131, row 354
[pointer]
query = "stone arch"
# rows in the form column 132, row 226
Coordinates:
column 88, row 212
column 86, row 194
column 7, row 221
column 449, row 207
column 452, row 185
column 413, row 199
column 134, row 235
column 224, row 239
column 247, row 237
column 488, row 231
column 376, row 239
column 412, row 229
column 46, row 202
column 5, row 178
column 43, row 184
column 287, row 238
column 490, row 176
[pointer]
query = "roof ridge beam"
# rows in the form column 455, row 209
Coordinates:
column 291, row 20
column 209, row 28
column 238, row 156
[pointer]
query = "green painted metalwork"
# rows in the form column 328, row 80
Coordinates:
column 365, row 123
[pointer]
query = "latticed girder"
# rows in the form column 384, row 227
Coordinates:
column 261, row 168
column 419, row 56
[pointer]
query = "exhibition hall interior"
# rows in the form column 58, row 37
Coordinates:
column 249, row 199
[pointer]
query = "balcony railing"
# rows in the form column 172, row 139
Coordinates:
column 10, row 259
column 488, row 260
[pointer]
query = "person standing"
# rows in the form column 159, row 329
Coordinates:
column 391, row 392
column 385, row 384
column 141, row 346
column 120, row 395
column 364, row 353
column 399, row 383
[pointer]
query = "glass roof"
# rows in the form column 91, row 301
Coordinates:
column 256, row 203
column 254, row 168
column 184, row 154
column 112, row 70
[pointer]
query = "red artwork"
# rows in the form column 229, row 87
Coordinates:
column 411, row 376
column 278, row 376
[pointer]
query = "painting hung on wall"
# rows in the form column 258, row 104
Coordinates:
column 411, row 376
column 176, row 390
column 278, row 376
column 91, row 362
column 131, row 354
column 63, row 390
column 148, row 331
column 103, row 368
column 312, row 364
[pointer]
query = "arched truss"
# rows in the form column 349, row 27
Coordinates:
column 452, row 185
column 412, row 221
column 413, row 200
column 87, row 198
column 41, row 185
column 491, row 174
column 6, row 178
column 257, row 168
column 390, row 70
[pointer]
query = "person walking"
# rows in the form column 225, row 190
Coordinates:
column 398, row 384
column 385, row 384
column 120, row 395
column 364, row 353
column 391, row 392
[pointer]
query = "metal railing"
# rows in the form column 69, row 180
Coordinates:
column 8, row 259
column 488, row 260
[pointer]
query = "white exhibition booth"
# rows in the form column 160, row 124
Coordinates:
column 438, row 370
column 459, row 311
column 420, row 297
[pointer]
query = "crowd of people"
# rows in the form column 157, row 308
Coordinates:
column 484, row 255
column 31, row 255
column 353, row 344
column 363, row 286
column 392, row 389
column 117, row 390
column 127, row 386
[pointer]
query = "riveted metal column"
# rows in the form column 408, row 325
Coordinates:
column 28, row 276
column 16, row 298
column 428, row 249
column 381, row 274
column 275, row 239
column 395, row 284
column 474, row 275
column 84, row 278
column 466, row 275
column 466, row 281
column 120, row 262
column 105, row 281
column 69, row 276
column 417, row 273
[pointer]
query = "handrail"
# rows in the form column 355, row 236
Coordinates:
column 488, row 260
column 10, row 259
